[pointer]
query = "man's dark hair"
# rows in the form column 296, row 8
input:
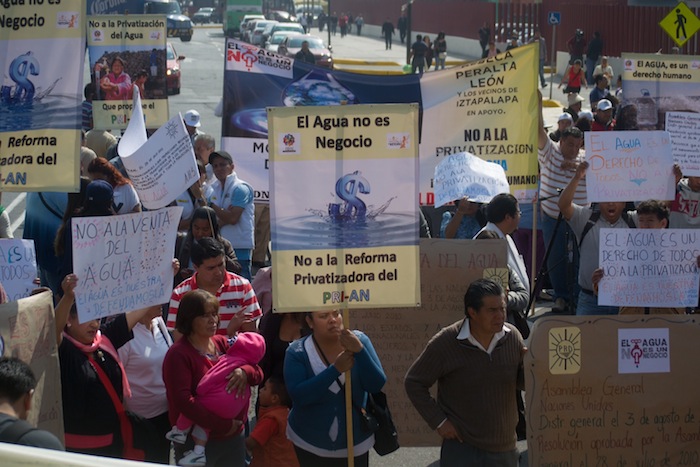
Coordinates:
column 572, row 131
column 280, row 390
column 474, row 298
column 501, row 206
column 652, row 206
column 419, row 37
column 599, row 78
column 16, row 379
column 206, row 248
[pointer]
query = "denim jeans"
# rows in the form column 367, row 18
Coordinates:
column 564, row 282
column 542, row 82
column 590, row 67
column 588, row 305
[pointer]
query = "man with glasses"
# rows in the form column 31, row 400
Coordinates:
column 503, row 216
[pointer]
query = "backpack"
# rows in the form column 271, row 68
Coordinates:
column 15, row 431
column 595, row 215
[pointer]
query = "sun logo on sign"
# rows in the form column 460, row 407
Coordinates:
column 564, row 350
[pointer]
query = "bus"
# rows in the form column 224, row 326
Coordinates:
column 236, row 10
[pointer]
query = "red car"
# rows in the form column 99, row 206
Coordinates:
column 172, row 71
column 290, row 45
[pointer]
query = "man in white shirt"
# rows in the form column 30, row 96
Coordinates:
column 232, row 200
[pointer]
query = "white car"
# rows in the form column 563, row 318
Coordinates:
column 274, row 42
column 270, row 29
column 255, row 36
column 246, row 19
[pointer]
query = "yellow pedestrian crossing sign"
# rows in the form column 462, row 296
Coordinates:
column 681, row 24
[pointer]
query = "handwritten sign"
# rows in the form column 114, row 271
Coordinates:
column 629, row 166
column 17, row 267
column 162, row 167
column 123, row 263
column 464, row 174
column 586, row 408
column 649, row 267
column 684, row 128
column 400, row 334
column 27, row 331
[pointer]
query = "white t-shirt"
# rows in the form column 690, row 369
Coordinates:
column 125, row 199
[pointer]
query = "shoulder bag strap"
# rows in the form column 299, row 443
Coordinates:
column 124, row 422
column 49, row 208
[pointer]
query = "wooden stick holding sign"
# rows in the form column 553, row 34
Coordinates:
column 348, row 404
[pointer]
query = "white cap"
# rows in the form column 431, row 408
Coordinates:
column 565, row 116
column 586, row 114
column 191, row 118
column 604, row 105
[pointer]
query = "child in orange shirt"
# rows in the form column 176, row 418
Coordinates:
column 268, row 442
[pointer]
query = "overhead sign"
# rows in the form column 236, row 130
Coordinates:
column 554, row 18
column 681, row 24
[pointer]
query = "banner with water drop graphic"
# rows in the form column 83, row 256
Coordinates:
column 41, row 94
column 344, row 216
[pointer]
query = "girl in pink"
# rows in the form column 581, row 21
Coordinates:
column 247, row 349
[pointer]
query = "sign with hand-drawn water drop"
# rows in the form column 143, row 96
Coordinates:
column 344, row 215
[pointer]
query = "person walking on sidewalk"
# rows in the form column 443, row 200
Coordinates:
column 387, row 32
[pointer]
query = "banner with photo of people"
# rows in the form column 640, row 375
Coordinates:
column 654, row 85
column 41, row 94
column 488, row 108
column 344, row 216
column 128, row 50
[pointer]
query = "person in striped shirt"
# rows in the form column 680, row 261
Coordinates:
column 238, row 310
column 558, row 163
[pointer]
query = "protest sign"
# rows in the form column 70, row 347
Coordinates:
column 657, row 84
column 162, row 167
column 487, row 108
column 447, row 267
column 629, row 166
column 40, row 117
column 123, row 263
column 649, row 267
column 611, row 390
column 17, row 267
column 28, row 332
column 344, row 218
column 492, row 115
column 128, row 50
column 465, row 174
column 684, row 128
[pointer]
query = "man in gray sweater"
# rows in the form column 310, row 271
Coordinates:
column 478, row 365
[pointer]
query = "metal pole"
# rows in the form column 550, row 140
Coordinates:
column 552, row 63
column 409, row 33
column 328, row 22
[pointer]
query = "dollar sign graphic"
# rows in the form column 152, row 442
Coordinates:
column 19, row 69
column 346, row 188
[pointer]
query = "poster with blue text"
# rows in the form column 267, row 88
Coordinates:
column 488, row 108
column 344, row 216
column 41, row 59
